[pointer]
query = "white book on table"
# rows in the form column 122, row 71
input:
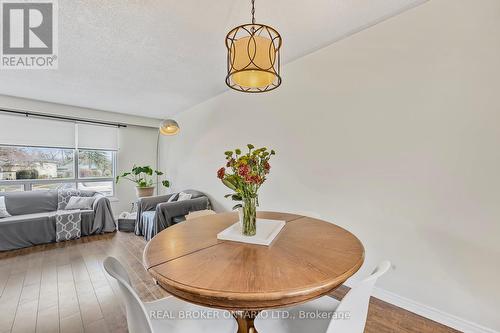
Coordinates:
column 267, row 230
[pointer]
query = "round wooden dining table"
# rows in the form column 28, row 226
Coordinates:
column 309, row 258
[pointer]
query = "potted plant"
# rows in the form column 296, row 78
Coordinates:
column 142, row 176
column 244, row 174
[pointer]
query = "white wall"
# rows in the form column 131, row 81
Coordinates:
column 137, row 142
column 137, row 146
column 391, row 133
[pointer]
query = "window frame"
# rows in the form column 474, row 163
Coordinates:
column 28, row 183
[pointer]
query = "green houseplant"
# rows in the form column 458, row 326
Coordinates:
column 142, row 176
column 244, row 174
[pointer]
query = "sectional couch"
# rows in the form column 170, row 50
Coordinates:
column 33, row 219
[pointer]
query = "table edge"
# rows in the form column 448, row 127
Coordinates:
column 250, row 300
column 266, row 300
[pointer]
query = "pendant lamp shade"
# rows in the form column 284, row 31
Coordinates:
column 253, row 60
column 169, row 127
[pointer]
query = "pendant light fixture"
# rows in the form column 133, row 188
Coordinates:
column 169, row 127
column 253, row 57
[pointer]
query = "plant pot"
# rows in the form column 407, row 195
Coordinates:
column 144, row 191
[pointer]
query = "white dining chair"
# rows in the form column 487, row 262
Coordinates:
column 325, row 314
column 169, row 314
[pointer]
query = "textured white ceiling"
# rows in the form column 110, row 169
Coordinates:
column 156, row 58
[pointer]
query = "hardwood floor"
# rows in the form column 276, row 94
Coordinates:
column 63, row 288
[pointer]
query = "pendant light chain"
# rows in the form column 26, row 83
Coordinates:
column 253, row 17
column 253, row 11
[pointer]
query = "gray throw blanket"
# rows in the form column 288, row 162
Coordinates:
column 63, row 196
column 152, row 224
column 159, row 213
column 104, row 220
column 68, row 225
column 33, row 219
column 165, row 212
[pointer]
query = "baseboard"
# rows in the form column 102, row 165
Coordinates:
column 430, row 313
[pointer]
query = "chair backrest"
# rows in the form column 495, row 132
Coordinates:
column 137, row 316
column 350, row 315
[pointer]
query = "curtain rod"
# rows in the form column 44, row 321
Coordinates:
column 52, row 116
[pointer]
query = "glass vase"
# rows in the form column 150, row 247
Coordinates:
column 249, row 223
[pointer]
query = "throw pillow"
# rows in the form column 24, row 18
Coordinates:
column 3, row 208
column 173, row 197
column 80, row 203
column 184, row 196
column 63, row 196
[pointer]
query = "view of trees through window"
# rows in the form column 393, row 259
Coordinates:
column 18, row 163
column 95, row 164
column 40, row 168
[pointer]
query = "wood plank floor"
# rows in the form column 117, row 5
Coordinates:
column 63, row 288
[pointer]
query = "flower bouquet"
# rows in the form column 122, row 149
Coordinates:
column 244, row 174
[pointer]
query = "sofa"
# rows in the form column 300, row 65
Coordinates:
column 33, row 219
column 154, row 214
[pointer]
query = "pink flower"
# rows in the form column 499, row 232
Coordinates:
column 256, row 179
column 253, row 179
column 221, row 173
column 243, row 170
column 267, row 167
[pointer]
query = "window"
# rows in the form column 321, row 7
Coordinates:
column 52, row 186
column 11, row 188
column 95, row 164
column 45, row 168
column 103, row 187
column 20, row 163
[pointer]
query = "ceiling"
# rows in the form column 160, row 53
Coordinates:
column 156, row 58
